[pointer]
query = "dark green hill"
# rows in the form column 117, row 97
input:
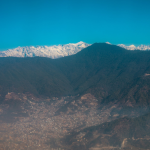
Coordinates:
column 35, row 75
column 107, row 71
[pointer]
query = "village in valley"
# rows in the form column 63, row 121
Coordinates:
column 29, row 123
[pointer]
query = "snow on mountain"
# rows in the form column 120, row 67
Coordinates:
column 133, row 47
column 45, row 51
column 108, row 43
column 57, row 51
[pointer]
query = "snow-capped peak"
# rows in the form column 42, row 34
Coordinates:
column 108, row 43
column 133, row 47
column 53, row 52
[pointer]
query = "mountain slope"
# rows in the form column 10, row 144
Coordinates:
column 37, row 76
column 107, row 71
column 91, row 100
column 123, row 133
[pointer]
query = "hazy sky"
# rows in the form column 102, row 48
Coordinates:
column 46, row 22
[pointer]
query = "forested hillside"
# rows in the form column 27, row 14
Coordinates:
column 107, row 71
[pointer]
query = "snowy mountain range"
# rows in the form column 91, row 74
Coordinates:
column 45, row 51
column 57, row 51
column 133, row 47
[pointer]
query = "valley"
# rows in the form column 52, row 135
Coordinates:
column 28, row 122
column 98, row 99
column 44, row 120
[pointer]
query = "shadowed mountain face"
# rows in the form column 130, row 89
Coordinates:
column 107, row 71
column 94, row 100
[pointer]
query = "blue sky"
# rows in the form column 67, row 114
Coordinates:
column 46, row 22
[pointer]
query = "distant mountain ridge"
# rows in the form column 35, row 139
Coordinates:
column 45, row 51
column 57, row 51
column 133, row 47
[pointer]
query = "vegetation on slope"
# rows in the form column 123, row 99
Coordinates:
column 107, row 71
